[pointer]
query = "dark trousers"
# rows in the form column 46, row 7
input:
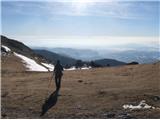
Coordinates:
column 58, row 81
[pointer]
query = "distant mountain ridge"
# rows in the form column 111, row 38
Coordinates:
column 83, row 54
column 53, row 57
column 65, row 60
column 137, row 54
column 109, row 62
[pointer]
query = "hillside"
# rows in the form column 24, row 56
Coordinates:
column 53, row 57
column 17, row 46
column 16, row 56
column 95, row 93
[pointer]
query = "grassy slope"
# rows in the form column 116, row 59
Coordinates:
column 101, row 91
column 11, row 63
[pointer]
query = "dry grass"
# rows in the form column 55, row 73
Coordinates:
column 11, row 63
column 91, row 93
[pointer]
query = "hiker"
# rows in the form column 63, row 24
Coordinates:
column 58, row 74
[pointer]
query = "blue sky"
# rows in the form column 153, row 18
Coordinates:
column 80, row 23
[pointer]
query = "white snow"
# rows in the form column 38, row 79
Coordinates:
column 30, row 63
column 141, row 105
column 86, row 68
column 74, row 68
column 49, row 66
column 6, row 48
column 33, row 66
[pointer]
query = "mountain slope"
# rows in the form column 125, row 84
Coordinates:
column 53, row 57
column 17, row 46
column 15, row 54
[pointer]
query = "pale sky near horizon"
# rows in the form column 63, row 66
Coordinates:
column 80, row 23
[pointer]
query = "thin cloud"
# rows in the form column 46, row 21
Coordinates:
column 93, row 41
column 122, row 10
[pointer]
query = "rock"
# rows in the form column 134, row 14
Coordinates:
column 101, row 92
column 3, row 115
column 156, row 98
column 80, row 81
column 153, row 97
column 5, row 94
column 110, row 115
column 125, row 116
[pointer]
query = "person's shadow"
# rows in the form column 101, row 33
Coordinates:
column 50, row 102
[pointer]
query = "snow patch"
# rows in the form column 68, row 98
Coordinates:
column 49, row 66
column 141, row 105
column 86, row 68
column 6, row 48
column 74, row 68
column 30, row 63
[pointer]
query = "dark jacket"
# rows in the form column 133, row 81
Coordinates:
column 58, row 70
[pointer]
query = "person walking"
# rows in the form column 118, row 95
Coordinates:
column 58, row 71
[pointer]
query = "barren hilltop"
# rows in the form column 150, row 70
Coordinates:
column 93, row 93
